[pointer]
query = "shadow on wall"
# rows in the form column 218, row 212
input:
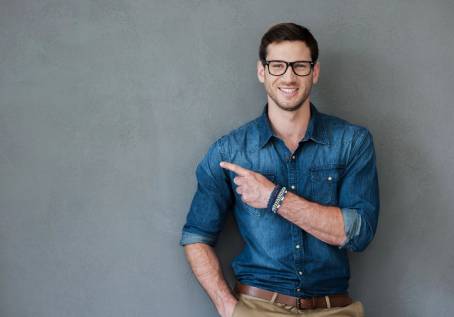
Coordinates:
column 229, row 246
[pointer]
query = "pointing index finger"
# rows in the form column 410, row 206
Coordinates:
column 234, row 168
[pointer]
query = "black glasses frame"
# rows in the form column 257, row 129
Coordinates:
column 267, row 63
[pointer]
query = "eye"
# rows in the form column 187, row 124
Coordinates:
column 277, row 65
column 301, row 66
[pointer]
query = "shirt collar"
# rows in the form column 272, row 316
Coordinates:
column 315, row 129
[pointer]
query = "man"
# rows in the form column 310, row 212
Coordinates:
column 303, row 189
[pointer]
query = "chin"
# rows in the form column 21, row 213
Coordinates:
column 290, row 108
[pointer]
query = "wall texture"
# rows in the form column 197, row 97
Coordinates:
column 107, row 106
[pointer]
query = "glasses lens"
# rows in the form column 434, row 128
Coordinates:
column 277, row 68
column 302, row 68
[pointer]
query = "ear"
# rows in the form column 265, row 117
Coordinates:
column 316, row 73
column 260, row 72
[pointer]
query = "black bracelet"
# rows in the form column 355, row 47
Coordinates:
column 273, row 197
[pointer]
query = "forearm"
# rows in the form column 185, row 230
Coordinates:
column 324, row 222
column 207, row 269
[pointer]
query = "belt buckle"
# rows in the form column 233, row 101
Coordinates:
column 310, row 303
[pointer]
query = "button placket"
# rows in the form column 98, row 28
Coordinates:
column 296, row 231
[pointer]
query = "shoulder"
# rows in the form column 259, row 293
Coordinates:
column 339, row 130
column 245, row 137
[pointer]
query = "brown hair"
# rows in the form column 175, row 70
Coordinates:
column 288, row 32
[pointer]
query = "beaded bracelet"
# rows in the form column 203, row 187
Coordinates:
column 279, row 199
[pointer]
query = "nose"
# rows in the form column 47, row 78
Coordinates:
column 289, row 75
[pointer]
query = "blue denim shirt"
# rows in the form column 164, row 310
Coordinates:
column 334, row 165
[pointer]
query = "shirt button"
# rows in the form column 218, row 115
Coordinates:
column 293, row 157
column 330, row 178
column 300, row 273
column 297, row 246
column 298, row 289
column 292, row 187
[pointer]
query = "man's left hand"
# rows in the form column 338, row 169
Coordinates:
column 254, row 188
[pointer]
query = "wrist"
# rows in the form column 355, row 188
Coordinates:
column 279, row 199
column 276, row 198
column 273, row 196
column 228, row 307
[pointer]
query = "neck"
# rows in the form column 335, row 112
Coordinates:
column 290, row 126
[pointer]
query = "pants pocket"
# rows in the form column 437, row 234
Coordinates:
column 235, row 310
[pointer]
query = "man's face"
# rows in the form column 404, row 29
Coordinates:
column 288, row 92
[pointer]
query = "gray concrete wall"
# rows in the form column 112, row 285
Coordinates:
column 107, row 106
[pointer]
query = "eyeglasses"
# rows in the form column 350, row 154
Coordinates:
column 299, row 68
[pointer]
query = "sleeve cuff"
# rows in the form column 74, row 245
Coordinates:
column 352, row 225
column 190, row 238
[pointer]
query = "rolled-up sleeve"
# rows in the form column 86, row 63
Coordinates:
column 358, row 194
column 212, row 200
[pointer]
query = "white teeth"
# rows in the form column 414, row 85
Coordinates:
column 288, row 91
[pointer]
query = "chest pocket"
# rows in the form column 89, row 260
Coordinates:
column 325, row 183
column 251, row 210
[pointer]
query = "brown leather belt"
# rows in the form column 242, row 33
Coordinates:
column 338, row 300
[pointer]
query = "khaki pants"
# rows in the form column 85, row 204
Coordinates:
column 249, row 306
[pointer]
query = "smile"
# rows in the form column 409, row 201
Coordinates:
column 289, row 92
